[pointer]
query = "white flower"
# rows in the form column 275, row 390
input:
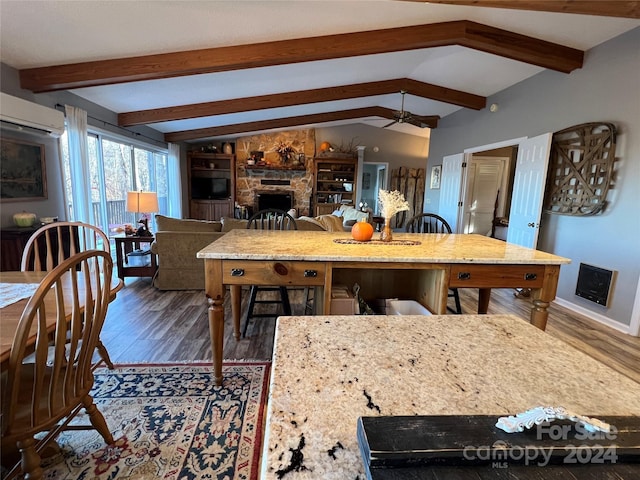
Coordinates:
column 391, row 202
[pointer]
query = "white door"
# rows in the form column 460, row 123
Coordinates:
column 450, row 188
column 528, row 190
column 485, row 179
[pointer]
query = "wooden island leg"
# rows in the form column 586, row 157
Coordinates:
column 214, row 290
column 484, row 295
column 539, row 314
column 236, row 304
column 543, row 297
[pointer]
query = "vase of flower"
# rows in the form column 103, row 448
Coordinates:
column 387, row 232
column 390, row 204
column 285, row 151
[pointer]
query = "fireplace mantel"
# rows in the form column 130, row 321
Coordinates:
column 259, row 168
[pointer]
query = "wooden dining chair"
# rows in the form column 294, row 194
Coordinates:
column 432, row 223
column 45, row 393
column 268, row 219
column 53, row 243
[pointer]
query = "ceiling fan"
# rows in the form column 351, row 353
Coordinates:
column 403, row 116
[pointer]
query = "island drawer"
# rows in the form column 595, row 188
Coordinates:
column 498, row 276
column 268, row 272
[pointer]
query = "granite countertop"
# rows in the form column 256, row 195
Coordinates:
column 242, row 244
column 329, row 370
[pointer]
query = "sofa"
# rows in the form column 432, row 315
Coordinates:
column 351, row 215
column 178, row 240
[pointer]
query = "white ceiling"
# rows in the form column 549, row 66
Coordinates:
column 47, row 33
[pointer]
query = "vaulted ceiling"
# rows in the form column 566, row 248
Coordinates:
column 197, row 70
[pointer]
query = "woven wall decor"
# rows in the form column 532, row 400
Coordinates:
column 580, row 169
column 409, row 182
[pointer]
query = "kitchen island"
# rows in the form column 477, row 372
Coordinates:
column 421, row 267
column 329, row 370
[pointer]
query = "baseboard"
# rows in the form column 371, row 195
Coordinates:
column 621, row 327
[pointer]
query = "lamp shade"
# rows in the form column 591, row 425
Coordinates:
column 142, row 202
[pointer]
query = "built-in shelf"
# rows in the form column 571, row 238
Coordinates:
column 211, row 185
column 334, row 182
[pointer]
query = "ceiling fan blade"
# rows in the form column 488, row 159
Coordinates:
column 391, row 123
column 416, row 123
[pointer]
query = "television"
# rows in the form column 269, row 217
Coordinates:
column 204, row 188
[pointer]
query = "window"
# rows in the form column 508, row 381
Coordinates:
column 116, row 167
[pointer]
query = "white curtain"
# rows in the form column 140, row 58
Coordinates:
column 79, row 164
column 175, row 182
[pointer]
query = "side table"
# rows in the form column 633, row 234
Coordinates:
column 134, row 257
column 12, row 243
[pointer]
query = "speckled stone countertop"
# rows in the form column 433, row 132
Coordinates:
column 242, row 244
column 329, row 370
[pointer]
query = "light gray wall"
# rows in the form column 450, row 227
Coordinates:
column 606, row 89
column 53, row 205
column 98, row 117
column 399, row 149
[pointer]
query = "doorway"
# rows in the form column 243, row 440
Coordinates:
column 488, row 190
column 529, row 178
column 374, row 177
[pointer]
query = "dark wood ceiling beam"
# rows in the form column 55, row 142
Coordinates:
column 413, row 87
column 443, row 94
column 430, row 121
column 149, row 67
column 608, row 8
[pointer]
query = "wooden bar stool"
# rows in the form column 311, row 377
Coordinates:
column 268, row 219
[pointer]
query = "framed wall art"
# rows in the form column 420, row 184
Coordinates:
column 22, row 171
column 366, row 181
column 436, row 172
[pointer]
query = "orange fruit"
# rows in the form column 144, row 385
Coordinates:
column 362, row 231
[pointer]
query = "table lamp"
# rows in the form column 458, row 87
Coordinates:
column 142, row 203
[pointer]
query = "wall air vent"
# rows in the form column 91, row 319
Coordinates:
column 18, row 114
column 594, row 283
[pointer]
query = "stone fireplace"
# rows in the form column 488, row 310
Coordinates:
column 282, row 200
column 253, row 183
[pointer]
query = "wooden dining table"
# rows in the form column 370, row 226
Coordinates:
column 10, row 315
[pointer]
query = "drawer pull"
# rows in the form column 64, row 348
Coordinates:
column 530, row 276
column 464, row 276
column 311, row 273
column 280, row 269
column 237, row 272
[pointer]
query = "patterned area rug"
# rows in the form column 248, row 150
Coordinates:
column 170, row 422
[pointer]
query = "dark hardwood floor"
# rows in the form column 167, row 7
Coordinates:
column 145, row 325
